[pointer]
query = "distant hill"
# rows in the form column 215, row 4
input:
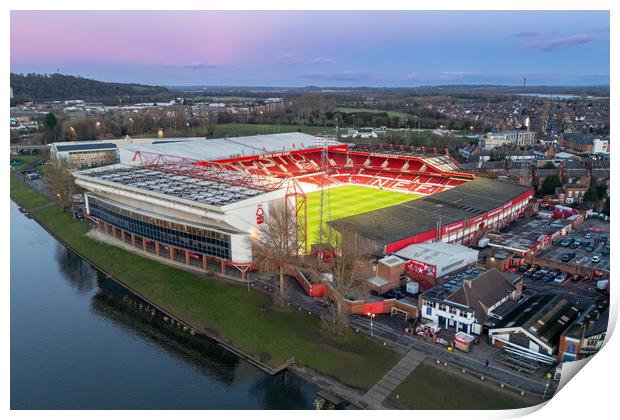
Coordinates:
column 60, row 87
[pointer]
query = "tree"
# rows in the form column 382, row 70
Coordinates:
column 548, row 165
column 51, row 125
column 590, row 196
column 549, row 184
column 50, row 120
column 350, row 267
column 14, row 135
column 60, row 182
column 274, row 247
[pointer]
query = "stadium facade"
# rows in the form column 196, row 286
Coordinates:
column 201, row 212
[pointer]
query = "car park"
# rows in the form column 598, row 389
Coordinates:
column 538, row 275
column 596, row 259
column 575, row 279
column 547, row 278
column 566, row 242
column 590, row 248
column 576, row 244
column 588, row 235
column 586, row 244
column 605, row 251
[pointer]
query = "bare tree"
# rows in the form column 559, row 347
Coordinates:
column 350, row 267
column 60, row 182
column 274, row 247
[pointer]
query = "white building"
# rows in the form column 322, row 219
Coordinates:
column 466, row 300
column 436, row 259
column 518, row 137
column 600, row 146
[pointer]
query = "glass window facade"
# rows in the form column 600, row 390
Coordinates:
column 195, row 239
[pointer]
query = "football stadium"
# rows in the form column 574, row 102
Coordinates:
column 190, row 205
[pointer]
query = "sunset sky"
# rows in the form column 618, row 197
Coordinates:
column 315, row 48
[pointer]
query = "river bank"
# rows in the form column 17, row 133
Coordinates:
column 79, row 340
column 228, row 313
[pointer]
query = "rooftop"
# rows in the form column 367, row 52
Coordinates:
column 203, row 185
column 522, row 235
column 436, row 253
column 84, row 146
column 545, row 316
column 224, row 148
column 466, row 201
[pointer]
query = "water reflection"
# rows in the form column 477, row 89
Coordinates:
column 78, row 274
column 128, row 311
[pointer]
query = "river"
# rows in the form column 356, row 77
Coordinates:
column 81, row 341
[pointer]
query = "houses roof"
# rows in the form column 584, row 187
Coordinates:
column 483, row 292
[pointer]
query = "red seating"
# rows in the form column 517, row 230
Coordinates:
column 403, row 173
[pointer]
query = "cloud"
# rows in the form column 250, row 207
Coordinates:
column 321, row 60
column 559, row 43
column 413, row 76
column 194, row 65
column 344, row 76
column 291, row 58
column 527, row 34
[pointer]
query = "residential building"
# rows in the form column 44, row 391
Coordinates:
column 587, row 334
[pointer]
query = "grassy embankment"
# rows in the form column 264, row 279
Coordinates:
column 227, row 311
column 425, row 389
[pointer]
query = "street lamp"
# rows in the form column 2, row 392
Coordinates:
column 546, row 385
column 371, row 316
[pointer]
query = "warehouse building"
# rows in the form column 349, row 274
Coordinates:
column 533, row 329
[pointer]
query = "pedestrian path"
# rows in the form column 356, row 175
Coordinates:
column 374, row 398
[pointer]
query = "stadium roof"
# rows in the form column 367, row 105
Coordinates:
column 466, row 201
column 75, row 147
column 224, row 148
column 205, row 185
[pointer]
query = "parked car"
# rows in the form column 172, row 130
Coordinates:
column 590, row 248
column 596, row 259
column 605, row 251
column 538, row 275
column 566, row 242
column 575, row 244
column 561, row 278
column 575, row 279
column 588, row 235
column 568, row 256
column 547, row 278
column 586, row 244
column 555, row 272
column 524, row 268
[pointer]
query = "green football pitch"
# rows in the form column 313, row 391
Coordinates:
column 348, row 200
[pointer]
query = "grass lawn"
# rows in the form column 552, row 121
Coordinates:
column 26, row 161
column 430, row 388
column 348, row 200
column 390, row 114
column 239, row 129
column 228, row 311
